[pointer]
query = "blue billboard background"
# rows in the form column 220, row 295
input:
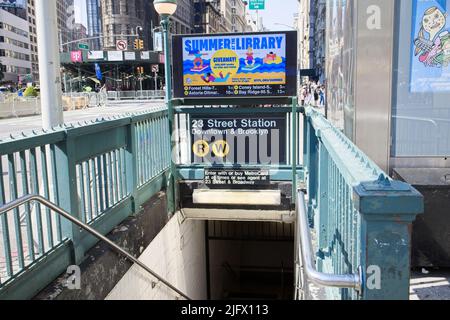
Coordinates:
column 430, row 64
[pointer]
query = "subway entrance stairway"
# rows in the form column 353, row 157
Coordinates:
column 322, row 214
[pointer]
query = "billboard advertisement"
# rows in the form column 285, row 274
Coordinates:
column 13, row 3
column 235, row 65
column 430, row 70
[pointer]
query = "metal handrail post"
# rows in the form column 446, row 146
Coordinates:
column 353, row 281
column 23, row 200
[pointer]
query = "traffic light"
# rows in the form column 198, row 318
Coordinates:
column 140, row 70
column 138, row 44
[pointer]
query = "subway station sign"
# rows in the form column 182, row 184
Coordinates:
column 240, row 139
column 235, row 65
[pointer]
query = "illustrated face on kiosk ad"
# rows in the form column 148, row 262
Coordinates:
column 237, row 66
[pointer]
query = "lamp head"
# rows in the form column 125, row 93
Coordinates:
column 165, row 7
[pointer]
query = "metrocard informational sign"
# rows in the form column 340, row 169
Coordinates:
column 235, row 65
column 239, row 139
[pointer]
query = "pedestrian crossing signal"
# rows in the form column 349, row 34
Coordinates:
column 140, row 70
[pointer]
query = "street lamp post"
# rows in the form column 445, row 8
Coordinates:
column 138, row 28
column 165, row 9
column 49, row 64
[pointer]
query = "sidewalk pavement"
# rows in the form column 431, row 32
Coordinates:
column 427, row 284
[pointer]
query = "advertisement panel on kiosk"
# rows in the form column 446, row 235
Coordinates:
column 235, row 65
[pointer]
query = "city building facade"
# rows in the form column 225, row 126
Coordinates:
column 305, row 31
column 252, row 23
column 227, row 14
column 121, row 20
column 183, row 19
column 311, row 24
column 319, row 39
column 15, row 53
column 238, row 16
column 208, row 18
column 66, row 23
column 80, row 32
column 66, row 20
column 94, row 23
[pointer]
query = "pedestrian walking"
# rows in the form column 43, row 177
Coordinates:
column 322, row 97
column 316, row 98
column 303, row 95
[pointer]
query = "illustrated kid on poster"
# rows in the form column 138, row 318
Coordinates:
column 235, row 60
column 431, row 49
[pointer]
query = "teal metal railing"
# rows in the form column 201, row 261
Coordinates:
column 360, row 217
column 101, row 172
column 27, row 199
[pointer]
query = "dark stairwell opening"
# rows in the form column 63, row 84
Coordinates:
column 250, row 260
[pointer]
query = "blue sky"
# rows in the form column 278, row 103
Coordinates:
column 277, row 11
column 80, row 11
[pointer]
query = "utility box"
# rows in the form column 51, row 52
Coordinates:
column 431, row 231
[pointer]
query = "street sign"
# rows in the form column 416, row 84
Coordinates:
column 115, row 56
column 241, row 138
column 158, row 42
column 121, row 45
column 155, row 68
column 83, row 46
column 257, row 4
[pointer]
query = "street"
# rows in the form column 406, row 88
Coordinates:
column 15, row 126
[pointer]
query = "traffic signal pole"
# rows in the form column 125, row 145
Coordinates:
column 49, row 64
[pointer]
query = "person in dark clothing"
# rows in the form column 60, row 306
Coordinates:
column 316, row 98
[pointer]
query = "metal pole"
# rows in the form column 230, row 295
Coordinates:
column 165, row 23
column 257, row 20
column 49, row 64
column 61, row 48
column 80, row 87
column 294, row 149
column 353, row 281
column 65, row 81
column 156, row 82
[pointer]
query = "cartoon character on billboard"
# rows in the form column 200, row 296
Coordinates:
column 250, row 61
column 432, row 44
column 198, row 61
column 272, row 58
column 209, row 78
